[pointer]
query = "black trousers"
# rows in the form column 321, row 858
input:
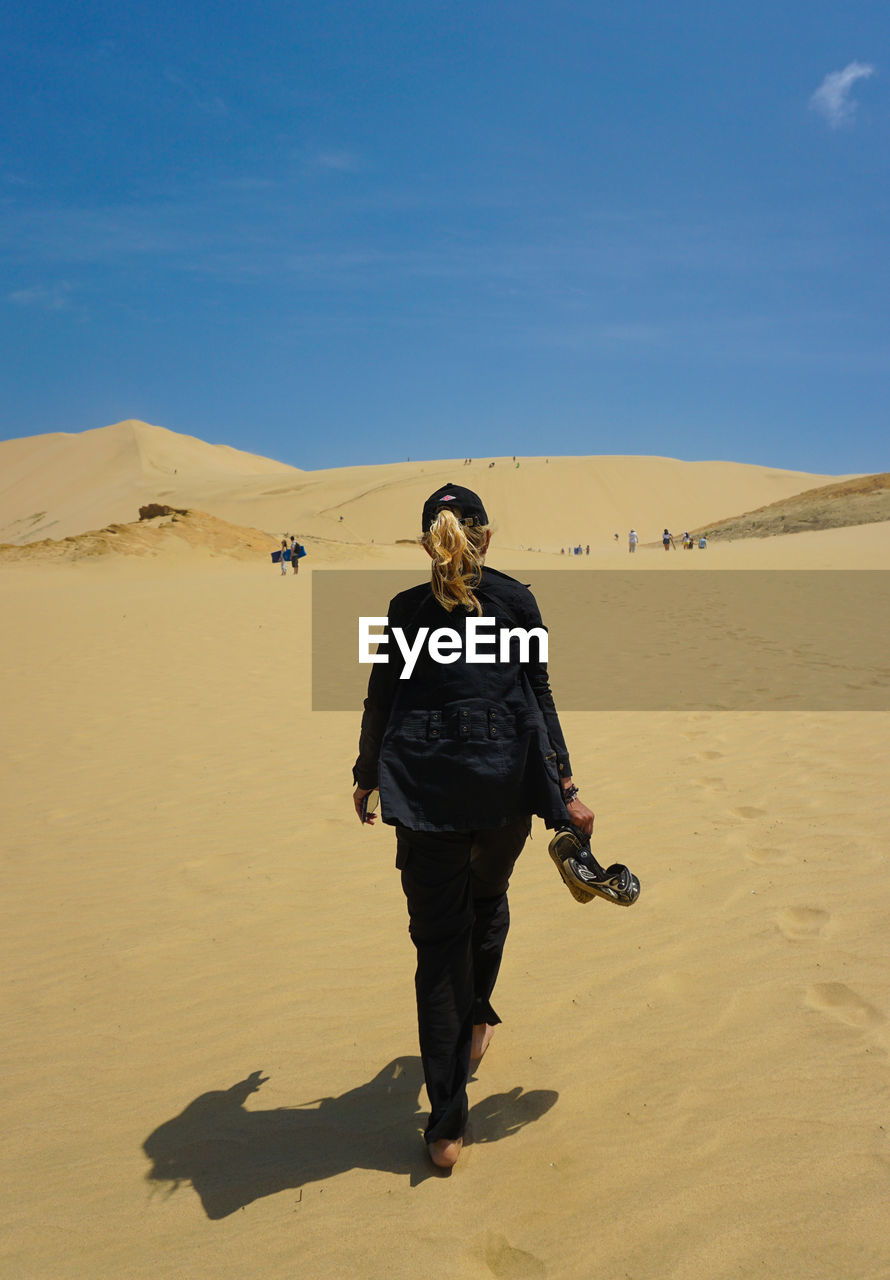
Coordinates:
column 456, row 885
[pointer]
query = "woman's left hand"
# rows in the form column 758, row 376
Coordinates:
column 581, row 816
column 357, row 797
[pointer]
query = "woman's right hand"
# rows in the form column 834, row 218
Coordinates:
column 581, row 817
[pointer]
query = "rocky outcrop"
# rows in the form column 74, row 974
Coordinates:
column 155, row 509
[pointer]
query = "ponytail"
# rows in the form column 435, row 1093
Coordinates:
column 457, row 553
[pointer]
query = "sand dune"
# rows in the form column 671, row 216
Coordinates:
column 66, row 484
column 210, row 1060
column 61, row 484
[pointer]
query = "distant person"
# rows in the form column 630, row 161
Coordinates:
column 632, row 539
column 667, row 540
column 687, row 541
column 616, row 537
column 285, row 556
column 587, row 549
column 295, row 554
column 703, row 543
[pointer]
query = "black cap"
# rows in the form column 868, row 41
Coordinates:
column 466, row 504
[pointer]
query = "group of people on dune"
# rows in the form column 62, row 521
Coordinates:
column 667, row 541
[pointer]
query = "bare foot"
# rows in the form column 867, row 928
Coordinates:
column 444, row 1152
column 482, row 1034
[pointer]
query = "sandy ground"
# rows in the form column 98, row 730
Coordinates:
column 692, row 1089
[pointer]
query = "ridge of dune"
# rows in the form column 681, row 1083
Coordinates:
column 60, row 485
column 67, row 483
column 544, row 503
column 861, row 500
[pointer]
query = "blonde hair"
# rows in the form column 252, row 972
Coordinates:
column 457, row 552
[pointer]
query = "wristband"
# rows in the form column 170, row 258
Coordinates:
column 569, row 794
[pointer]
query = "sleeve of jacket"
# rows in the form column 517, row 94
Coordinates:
column 378, row 704
column 540, row 683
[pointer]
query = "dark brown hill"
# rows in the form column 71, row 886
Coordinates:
column 862, row 500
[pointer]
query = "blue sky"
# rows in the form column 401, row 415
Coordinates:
column 346, row 232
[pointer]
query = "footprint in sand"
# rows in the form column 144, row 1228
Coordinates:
column 507, row 1263
column 765, row 857
column 62, row 815
column 712, row 784
column 799, row 923
column 837, row 1000
column 710, row 755
column 748, row 811
column 679, row 984
column 199, row 874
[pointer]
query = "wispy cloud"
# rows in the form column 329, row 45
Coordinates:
column 55, row 297
column 204, row 100
column 832, row 99
column 248, row 183
column 339, row 161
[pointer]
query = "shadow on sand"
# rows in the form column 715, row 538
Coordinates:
column 232, row 1156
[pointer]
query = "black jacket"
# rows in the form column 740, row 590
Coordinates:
column 463, row 746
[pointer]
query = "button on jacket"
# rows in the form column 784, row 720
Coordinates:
column 463, row 746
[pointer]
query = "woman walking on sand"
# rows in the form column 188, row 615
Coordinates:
column 463, row 754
